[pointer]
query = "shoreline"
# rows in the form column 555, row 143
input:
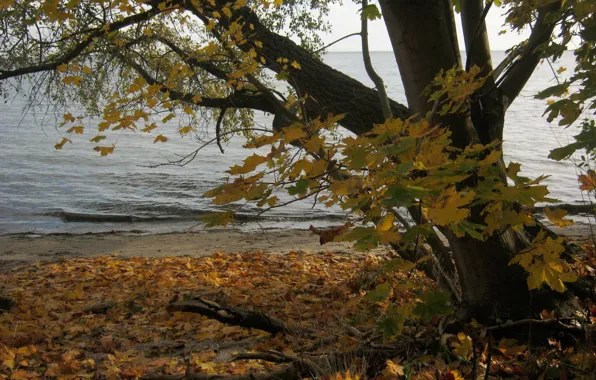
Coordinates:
column 24, row 248
column 18, row 249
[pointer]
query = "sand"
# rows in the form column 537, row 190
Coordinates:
column 21, row 249
column 18, row 250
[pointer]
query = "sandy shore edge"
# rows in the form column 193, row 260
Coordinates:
column 20, row 249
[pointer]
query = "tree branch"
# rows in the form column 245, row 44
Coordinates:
column 522, row 70
column 218, row 128
column 473, row 16
column 80, row 47
column 372, row 74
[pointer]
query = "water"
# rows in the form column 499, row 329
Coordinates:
column 43, row 190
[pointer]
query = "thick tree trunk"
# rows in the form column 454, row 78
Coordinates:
column 423, row 41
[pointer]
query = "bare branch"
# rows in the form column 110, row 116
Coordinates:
column 218, row 128
column 372, row 74
column 522, row 70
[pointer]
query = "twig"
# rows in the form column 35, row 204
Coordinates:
column 489, row 355
column 336, row 41
column 218, row 128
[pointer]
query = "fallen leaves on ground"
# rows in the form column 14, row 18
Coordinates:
column 106, row 317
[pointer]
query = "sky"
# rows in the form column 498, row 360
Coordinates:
column 345, row 19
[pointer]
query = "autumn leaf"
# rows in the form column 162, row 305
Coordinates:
column 250, row 164
column 463, row 346
column 76, row 130
column 588, row 181
column 555, row 216
column 386, row 223
column 160, row 138
column 329, row 234
column 73, row 80
column 60, row 145
column 104, row 150
column 294, row 133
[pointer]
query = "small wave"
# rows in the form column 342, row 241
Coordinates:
column 68, row 216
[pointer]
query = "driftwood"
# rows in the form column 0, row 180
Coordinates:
column 235, row 316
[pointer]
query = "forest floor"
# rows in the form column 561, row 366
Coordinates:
column 253, row 315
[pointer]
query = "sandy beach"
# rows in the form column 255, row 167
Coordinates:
column 17, row 250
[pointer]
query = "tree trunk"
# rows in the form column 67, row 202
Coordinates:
column 424, row 43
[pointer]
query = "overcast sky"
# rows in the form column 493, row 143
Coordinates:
column 345, row 19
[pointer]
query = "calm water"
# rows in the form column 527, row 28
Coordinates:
column 38, row 184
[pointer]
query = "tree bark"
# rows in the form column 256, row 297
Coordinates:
column 420, row 33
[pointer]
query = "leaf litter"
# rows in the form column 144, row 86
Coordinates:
column 107, row 318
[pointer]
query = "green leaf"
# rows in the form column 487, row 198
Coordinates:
column 380, row 293
column 283, row 75
column 299, row 188
column 563, row 152
column 433, row 304
column 218, row 219
column 370, row 12
column 556, row 90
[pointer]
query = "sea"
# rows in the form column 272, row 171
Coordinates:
column 74, row 190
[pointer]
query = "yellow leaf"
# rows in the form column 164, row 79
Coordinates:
column 77, row 130
column 62, row 68
column 446, row 209
column 149, row 127
column 386, row 223
column 76, row 80
column 294, row 133
column 250, row 164
column 160, row 138
column 168, row 118
column 151, row 102
column 555, row 216
column 87, row 70
column 393, row 370
column 313, row 145
column 464, row 345
column 97, row 138
column 185, row 130
column 188, row 110
column 104, row 150
column 61, row 143
column 296, row 65
column 277, row 3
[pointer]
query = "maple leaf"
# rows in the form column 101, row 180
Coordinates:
column 104, row 150
column 160, row 138
column 447, row 208
column 555, row 216
column 393, row 370
column 588, row 181
column 250, row 164
column 463, row 347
